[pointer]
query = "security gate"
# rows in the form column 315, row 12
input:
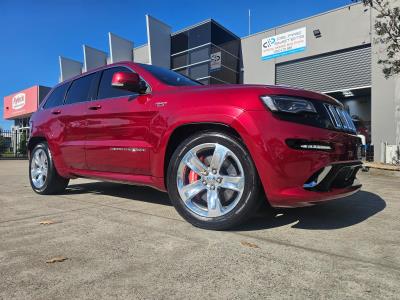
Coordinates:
column 13, row 143
column 334, row 71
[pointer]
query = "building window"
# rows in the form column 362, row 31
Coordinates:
column 199, row 71
column 225, row 75
column 179, row 42
column 197, row 44
column 227, row 59
column 179, row 60
column 225, row 39
column 199, row 54
column 200, row 35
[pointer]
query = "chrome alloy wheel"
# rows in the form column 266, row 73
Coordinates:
column 39, row 168
column 210, row 180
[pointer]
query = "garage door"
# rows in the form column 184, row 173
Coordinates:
column 328, row 72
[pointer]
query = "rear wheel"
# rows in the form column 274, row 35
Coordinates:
column 212, row 181
column 43, row 175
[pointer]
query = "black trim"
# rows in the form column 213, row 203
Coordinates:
column 342, row 175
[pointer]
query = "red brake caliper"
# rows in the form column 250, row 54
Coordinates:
column 193, row 176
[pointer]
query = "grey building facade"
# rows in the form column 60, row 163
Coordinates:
column 340, row 59
column 333, row 53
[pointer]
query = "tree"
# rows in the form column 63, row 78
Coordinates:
column 387, row 29
column 23, row 144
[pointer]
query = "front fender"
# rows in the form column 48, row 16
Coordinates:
column 160, row 135
column 250, row 127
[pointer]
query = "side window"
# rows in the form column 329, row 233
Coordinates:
column 80, row 89
column 106, row 90
column 56, row 97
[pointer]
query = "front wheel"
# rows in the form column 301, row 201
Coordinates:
column 212, row 181
column 43, row 175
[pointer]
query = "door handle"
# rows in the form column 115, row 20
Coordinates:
column 95, row 107
column 56, row 112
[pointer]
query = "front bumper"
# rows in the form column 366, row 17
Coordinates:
column 290, row 176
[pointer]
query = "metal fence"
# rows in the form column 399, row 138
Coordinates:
column 13, row 143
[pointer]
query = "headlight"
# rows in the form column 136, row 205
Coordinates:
column 288, row 104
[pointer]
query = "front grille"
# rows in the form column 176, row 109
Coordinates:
column 340, row 118
column 327, row 116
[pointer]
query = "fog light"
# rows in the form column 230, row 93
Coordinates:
column 316, row 147
column 301, row 144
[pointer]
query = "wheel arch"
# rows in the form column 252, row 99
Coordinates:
column 33, row 141
column 182, row 132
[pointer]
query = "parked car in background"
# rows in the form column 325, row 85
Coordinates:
column 213, row 148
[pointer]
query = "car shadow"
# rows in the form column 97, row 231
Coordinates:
column 335, row 214
column 339, row 213
column 129, row 192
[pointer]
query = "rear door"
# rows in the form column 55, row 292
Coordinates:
column 72, row 116
column 51, row 113
column 117, row 129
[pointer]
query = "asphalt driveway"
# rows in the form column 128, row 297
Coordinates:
column 121, row 241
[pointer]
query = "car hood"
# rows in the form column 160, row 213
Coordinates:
column 256, row 90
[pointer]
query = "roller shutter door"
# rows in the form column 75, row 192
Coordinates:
column 328, row 72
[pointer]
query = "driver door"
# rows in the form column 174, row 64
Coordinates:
column 117, row 129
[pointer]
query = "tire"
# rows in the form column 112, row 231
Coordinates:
column 220, row 189
column 43, row 175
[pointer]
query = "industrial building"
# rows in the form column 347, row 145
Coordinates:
column 332, row 52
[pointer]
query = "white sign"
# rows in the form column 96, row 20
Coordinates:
column 283, row 44
column 18, row 101
column 215, row 62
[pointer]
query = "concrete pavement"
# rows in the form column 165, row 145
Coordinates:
column 128, row 242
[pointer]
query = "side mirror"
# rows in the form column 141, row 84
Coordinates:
column 128, row 81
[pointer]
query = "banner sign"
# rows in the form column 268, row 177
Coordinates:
column 215, row 63
column 22, row 103
column 284, row 44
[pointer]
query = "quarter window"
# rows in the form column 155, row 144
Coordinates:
column 106, row 90
column 80, row 89
column 56, row 97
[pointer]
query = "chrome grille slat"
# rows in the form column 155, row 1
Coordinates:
column 340, row 118
column 334, row 116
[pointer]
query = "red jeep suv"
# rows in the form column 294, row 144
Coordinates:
column 213, row 148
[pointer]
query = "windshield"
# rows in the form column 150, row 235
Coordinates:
column 169, row 77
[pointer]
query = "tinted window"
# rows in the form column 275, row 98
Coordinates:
column 227, row 59
column 56, row 97
column 199, row 71
column 226, row 75
column 179, row 42
column 79, row 90
column 200, row 35
column 169, row 77
column 106, row 90
column 225, row 40
column 200, row 54
column 180, row 60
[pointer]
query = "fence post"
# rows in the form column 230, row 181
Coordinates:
column 15, row 144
